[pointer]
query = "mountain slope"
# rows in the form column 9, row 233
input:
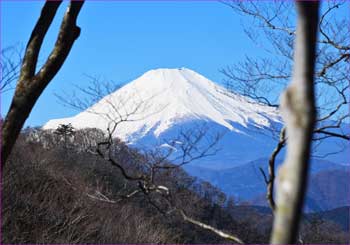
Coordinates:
column 156, row 107
column 331, row 189
column 327, row 187
column 163, row 97
column 161, row 102
column 339, row 216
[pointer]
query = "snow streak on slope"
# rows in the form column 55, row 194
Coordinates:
column 163, row 97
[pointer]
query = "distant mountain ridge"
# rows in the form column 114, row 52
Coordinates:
column 328, row 185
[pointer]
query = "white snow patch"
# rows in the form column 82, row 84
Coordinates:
column 165, row 145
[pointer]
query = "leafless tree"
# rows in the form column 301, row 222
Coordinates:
column 10, row 64
column 83, row 97
column 299, row 113
column 30, row 83
column 263, row 79
column 178, row 152
column 189, row 145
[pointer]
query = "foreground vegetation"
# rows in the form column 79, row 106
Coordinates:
column 57, row 190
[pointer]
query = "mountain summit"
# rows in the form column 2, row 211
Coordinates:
column 162, row 98
column 156, row 107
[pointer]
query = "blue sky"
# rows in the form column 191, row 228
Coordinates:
column 120, row 41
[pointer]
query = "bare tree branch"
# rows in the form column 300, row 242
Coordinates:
column 10, row 64
column 210, row 228
column 188, row 148
column 85, row 97
column 254, row 11
column 328, row 40
column 36, row 39
column 272, row 161
column 261, row 79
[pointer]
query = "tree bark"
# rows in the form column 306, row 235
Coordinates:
column 31, row 85
column 299, row 113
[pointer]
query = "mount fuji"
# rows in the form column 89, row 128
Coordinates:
column 155, row 107
column 158, row 104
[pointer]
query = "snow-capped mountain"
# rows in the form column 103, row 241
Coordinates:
column 154, row 108
column 162, row 101
column 163, row 97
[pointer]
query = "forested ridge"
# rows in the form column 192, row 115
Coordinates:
column 60, row 191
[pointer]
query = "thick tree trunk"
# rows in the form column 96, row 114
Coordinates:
column 299, row 113
column 31, row 85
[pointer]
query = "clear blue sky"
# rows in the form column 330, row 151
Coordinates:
column 121, row 40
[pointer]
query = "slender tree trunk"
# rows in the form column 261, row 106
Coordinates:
column 299, row 113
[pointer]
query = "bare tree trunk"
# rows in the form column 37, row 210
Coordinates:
column 31, row 85
column 299, row 113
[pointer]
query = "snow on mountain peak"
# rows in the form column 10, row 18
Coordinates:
column 163, row 97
